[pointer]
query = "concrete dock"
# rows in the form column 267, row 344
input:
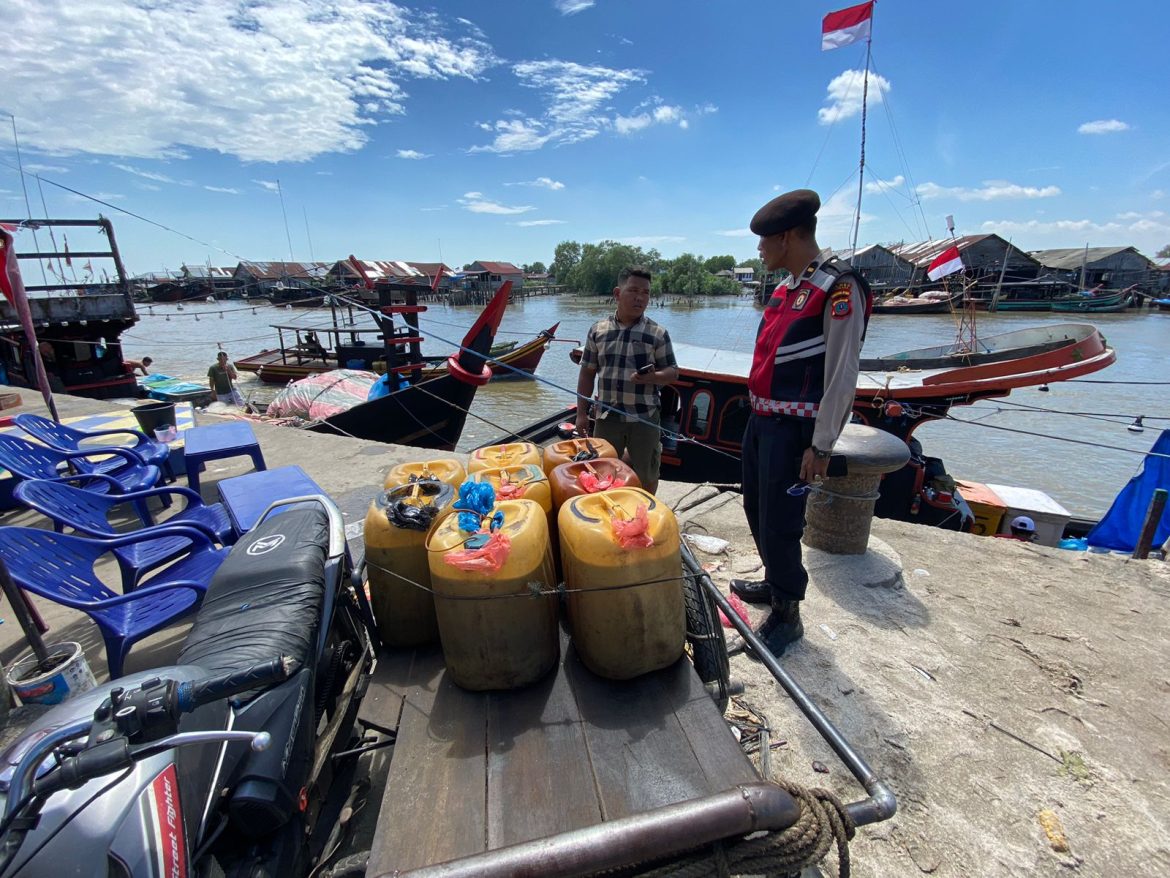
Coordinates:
column 1014, row 696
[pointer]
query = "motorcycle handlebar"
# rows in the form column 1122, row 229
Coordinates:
column 193, row 695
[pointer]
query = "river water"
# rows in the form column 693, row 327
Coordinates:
column 1083, row 478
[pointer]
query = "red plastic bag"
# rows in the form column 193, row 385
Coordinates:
column 591, row 483
column 740, row 610
column 633, row 533
column 485, row 556
column 510, row 490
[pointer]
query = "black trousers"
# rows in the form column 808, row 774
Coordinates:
column 772, row 449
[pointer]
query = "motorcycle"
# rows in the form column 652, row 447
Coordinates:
column 235, row 761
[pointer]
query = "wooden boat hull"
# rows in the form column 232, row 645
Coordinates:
column 428, row 414
column 1101, row 305
column 281, row 367
column 926, row 383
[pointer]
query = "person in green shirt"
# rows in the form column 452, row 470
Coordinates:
column 220, row 377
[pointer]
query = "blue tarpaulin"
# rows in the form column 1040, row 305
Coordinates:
column 1122, row 524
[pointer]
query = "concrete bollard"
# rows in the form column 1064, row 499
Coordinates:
column 838, row 514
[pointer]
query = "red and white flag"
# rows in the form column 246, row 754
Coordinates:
column 947, row 262
column 846, row 26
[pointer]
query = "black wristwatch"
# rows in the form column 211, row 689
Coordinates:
column 820, row 455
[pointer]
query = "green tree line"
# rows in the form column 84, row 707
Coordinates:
column 593, row 268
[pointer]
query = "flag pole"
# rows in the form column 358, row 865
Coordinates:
column 861, row 166
column 13, row 288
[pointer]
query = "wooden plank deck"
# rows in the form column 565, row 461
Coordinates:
column 479, row 771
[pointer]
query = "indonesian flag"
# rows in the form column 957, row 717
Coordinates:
column 846, row 26
column 947, row 262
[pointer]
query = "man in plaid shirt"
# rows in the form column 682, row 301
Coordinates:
column 630, row 357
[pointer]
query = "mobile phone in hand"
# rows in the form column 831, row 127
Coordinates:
column 646, row 370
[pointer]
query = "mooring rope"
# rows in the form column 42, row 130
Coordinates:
column 823, row 823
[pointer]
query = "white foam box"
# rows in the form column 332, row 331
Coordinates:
column 1050, row 517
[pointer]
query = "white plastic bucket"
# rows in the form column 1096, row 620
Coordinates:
column 70, row 675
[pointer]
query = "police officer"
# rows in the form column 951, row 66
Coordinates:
column 801, row 386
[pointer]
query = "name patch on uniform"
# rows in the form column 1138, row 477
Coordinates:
column 800, row 300
column 841, row 300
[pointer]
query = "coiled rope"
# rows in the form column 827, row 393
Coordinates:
column 823, row 823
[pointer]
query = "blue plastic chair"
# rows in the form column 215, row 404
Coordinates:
column 28, row 460
column 89, row 513
column 65, row 438
column 59, row 567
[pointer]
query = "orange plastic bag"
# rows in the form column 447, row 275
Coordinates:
column 633, row 533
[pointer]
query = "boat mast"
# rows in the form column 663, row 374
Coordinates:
column 861, row 165
column 1084, row 264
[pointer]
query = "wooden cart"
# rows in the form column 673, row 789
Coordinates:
column 576, row 774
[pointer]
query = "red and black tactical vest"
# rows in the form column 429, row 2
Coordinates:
column 788, row 367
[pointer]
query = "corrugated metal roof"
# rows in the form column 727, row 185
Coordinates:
column 281, row 270
column 209, row 271
column 922, row 253
column 498, row 267
column 1074, row 257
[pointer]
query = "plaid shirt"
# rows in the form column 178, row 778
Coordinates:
column 615, row 351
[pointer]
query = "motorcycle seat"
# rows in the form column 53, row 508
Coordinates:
column 266, row 599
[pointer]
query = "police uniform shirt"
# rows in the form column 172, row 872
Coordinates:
column 844, row 326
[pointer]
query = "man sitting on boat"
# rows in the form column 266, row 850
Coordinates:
column 1022, row 528
column 802, row 384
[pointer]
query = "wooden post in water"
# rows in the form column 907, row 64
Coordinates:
column 1153, row 516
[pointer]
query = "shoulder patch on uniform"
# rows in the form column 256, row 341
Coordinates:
column 841, row 300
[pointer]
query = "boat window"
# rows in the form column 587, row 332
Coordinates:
column 734, row 420
column 699, row 417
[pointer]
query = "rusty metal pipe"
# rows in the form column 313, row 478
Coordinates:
column 881, row 804
column 652, row 835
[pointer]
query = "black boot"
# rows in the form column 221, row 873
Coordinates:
column 782, row 627
column 757, row 591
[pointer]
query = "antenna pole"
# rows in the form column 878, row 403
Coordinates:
column 861, row 166
column 280, row 192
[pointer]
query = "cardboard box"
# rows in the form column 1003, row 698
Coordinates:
column 987, row 506
column 1050, row 517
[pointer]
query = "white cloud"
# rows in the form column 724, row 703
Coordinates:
column 577, row 100
column 227, row 190
column 992, row 190
column 572, row 7
column 238, row 68
column 546, row 222
column 875, row 187
column 476, row 203
column 430, row 209
column 37, row 168
column 270, row 185
column 845, row 91
column 516, row 135
column 1158, row 194
column 1143, row 232
column 412, row 154
column 659, row 115
column 737, row 233
column 1134, row 215
column 148, row 175
column 1103, row 126
column 541, row 183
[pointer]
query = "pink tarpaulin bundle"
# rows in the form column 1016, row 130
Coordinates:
column 320, row 396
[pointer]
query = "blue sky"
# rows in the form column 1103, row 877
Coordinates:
column 494, row 130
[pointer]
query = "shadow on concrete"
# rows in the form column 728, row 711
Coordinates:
column 868, row 586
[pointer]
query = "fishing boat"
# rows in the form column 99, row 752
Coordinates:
column 1094, row 301
column 706, row 409
column 77, row 323
column 422, row 412
column 926, row 303
column 301, row 352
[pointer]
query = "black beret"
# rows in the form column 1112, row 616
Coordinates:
column 786, row 212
